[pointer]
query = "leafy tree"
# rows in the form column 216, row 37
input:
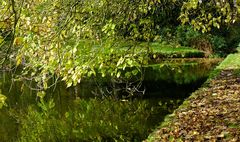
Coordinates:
column 134, row 19
column 206, row 15
column 74, row 40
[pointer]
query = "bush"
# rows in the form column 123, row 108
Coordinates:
column 232, row 36
column 219, row 44
column 186, row 35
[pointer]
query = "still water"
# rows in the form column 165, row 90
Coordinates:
column 71, row 115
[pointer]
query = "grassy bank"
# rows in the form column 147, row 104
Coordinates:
column 209, row 114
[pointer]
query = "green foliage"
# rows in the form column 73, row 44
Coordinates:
column 131, row 19
column 214, row 42
column 232, row 36
column 2, row 100
column 219, row 44
column 207, row 15
column 76, row 40
column 186, row 35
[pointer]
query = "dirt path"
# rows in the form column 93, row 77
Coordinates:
column 210, row 114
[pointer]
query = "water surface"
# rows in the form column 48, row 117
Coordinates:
column 167, row 85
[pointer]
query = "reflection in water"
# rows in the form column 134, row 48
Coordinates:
column 167, row 85
column 180, row 71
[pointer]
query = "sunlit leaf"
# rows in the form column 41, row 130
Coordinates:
column 2, row 100
column 41, row 94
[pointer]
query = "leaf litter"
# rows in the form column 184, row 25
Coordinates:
column 212, row 114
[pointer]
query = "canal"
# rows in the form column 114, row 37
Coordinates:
column 78, row 114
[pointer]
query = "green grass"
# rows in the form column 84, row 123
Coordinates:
column 170, row 51
column 158, row 47
column 231, row 62
column 163, row 50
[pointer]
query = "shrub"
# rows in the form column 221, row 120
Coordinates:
column 232, row 36
column 186, row 35
column 219, row 44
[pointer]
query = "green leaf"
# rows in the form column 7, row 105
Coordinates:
column 41, row 94
column 118, row 74
column 18, row 59
column 69, row 83
column 128, row 74
column 120, row 61
column 51, row 104
column 45, row 85
column 2, row 100
column 135, row 72
column 67, row 114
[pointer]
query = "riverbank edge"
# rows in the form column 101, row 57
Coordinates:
column 229, row 63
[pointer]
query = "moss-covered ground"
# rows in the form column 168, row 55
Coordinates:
column 211, row 113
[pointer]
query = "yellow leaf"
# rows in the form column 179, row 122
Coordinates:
column 2, row 100
column 1, row 39
column 41, row 94
column 19, row 59
column 18, row 40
